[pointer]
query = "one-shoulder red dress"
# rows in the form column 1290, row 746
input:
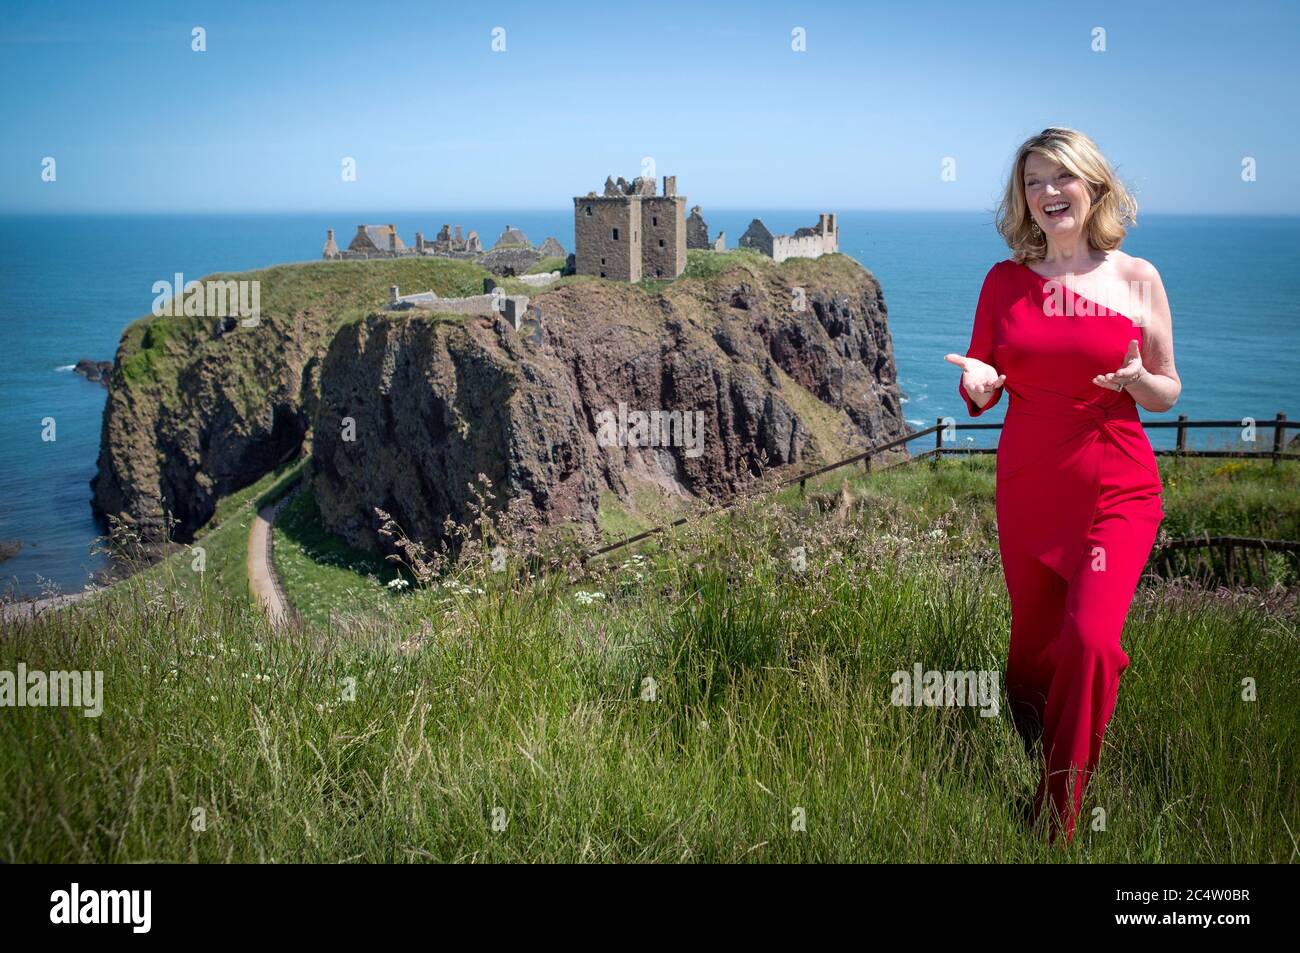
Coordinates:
column 1078, row 506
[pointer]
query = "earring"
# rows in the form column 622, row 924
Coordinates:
column 1038, row 232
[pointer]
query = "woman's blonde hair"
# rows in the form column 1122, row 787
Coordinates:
column 1113, row 206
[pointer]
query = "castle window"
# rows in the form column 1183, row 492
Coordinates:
column 614, row 235
column 661, row 243
column 654, row 220
column 602, row 261
column 588, row 210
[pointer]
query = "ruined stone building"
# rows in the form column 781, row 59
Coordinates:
column 510, row 307
column 821, row 239
column 513, row 254
column 371, row 241
column 551, row 249
column 447, row 245
column 630, row 232
column 697, row 234
column 512, row 238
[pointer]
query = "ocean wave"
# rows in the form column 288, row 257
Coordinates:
column 66, row 367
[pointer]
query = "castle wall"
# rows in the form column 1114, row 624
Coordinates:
column 697, row 230
column 511, row 306
column 663, row 242
column 596, row 250
column 759, row 239
column 809, row 246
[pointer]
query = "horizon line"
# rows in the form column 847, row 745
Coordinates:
column 552, row 210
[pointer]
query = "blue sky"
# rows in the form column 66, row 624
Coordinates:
column 713, row 92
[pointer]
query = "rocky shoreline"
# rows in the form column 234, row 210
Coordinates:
column 99, row 372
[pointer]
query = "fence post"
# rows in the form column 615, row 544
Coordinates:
column 1279, row 436
column 1182, row 433
column 938, row 443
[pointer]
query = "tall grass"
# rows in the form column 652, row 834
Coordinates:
column 713, row 693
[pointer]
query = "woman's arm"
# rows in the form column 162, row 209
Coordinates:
column 1156, row 385
column 981, row 349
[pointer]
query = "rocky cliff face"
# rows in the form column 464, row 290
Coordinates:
column 781, row 364
column 232, row 411
column 202, row 406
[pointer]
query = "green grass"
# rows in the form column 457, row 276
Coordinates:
column 320, row 296
column 217, row 560
column 321, row 576
column 703, row 263
column 546, row 266
column 1231, row 497
column 771, row 695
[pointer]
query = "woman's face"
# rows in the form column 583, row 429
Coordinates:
column 1058, row 200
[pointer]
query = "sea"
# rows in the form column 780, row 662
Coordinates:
column 70, row 284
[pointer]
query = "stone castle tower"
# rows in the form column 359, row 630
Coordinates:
column 629, row 233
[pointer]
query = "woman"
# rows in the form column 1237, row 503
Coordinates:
column 1079, row 334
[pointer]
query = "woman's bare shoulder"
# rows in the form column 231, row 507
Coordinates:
column 1132, row 268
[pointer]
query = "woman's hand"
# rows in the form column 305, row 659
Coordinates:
column 979, row 379
column 1130, row 371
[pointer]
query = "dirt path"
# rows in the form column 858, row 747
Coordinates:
column 261, row 573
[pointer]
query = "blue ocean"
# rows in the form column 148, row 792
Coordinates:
column 70, row 284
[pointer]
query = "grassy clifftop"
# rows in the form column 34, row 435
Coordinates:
column 154, row 349
column 200, row 407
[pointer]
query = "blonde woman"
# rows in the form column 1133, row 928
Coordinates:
column 1079, row 334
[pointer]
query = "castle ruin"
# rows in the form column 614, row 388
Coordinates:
column 513, row 254
column 490, row 304
column 821, row 239
column 630, row 232
column 697, row 234
column 447, row 245
column 370, row 241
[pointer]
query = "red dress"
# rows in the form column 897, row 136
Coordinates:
column 1078, row 506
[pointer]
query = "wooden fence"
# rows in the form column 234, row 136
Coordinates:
column 1164, row 553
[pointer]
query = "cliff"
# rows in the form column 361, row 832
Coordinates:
column 434, row 400
column 199, row 408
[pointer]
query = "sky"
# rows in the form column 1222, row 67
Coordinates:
column 882, row 99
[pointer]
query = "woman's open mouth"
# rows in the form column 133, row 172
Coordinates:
column 1056, row 209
